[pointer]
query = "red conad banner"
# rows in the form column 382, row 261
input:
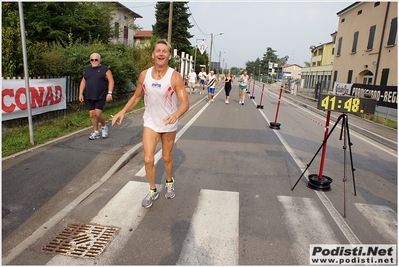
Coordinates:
column 46, row 95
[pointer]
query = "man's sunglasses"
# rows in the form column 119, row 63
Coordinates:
column 94, row 59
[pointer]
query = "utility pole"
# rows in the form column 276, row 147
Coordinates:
column 210, row 53
column 170, row 23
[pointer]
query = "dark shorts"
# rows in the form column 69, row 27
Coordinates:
column 227, row 89
column 96, row 104
column 201, row 81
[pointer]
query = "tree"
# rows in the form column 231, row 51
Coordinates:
column 11, row 50
column 253, row 67
column 65, row 21
column 48, row 22
column 268, row 56
column 180, row 25
column 201, row 59
column 235, row 70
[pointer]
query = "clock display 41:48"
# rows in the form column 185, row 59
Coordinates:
column 351, row 104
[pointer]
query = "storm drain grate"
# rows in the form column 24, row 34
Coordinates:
column 81, row 240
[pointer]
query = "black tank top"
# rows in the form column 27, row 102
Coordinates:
column 228, row 83
column 96, row 82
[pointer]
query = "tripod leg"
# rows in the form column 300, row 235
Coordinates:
column 350, row 155
column 325, row 140
column 342, row 126
column 307, row 166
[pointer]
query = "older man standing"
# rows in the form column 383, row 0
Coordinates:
column 99, row 84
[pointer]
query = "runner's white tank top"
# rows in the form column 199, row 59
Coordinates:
column 160, row 100
column 244, row 81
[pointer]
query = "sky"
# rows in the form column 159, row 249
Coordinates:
column 249, row 27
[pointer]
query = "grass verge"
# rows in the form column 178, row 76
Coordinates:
column 19, row 139
column 384, row 121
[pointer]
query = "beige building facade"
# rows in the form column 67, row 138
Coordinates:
column 366, row 44
column 142, row 38
column 123, row 24
column 294, row 70
column 321, row 66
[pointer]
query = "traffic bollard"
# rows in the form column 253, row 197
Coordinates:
column 261, row 97
column 275, row 124
column 253, row 90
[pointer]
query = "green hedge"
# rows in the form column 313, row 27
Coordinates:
column 57, row 60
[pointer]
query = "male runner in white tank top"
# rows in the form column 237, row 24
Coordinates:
column 161, row 87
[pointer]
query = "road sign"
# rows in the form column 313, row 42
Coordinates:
column 202, row 47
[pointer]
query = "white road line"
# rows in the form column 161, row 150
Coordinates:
column 212, row 238
column 383, row 218
column 346, row 230
column 124, row 210
column 307, row 225
column 158, row 155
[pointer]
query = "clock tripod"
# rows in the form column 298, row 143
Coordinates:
column 323, row 183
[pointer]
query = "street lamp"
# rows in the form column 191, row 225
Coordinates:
column 312, row 49
column 210, row 53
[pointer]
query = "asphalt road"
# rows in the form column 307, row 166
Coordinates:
column 234, row 180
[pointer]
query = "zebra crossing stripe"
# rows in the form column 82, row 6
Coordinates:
column 382, row 218
column 124, row 210
column 306, row 225
column 212, row 238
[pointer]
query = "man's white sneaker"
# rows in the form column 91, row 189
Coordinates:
column 104, row 131
column 94, row 135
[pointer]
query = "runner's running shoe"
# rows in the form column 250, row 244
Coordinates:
column 170, row 189
column 150, row 199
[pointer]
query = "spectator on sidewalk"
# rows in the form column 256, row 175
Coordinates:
column 162, row 88
column 202, row 80
column 99, row 84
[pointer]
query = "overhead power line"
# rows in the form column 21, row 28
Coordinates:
column 195, row 22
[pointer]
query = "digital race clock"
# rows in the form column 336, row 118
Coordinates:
column 346, row 104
